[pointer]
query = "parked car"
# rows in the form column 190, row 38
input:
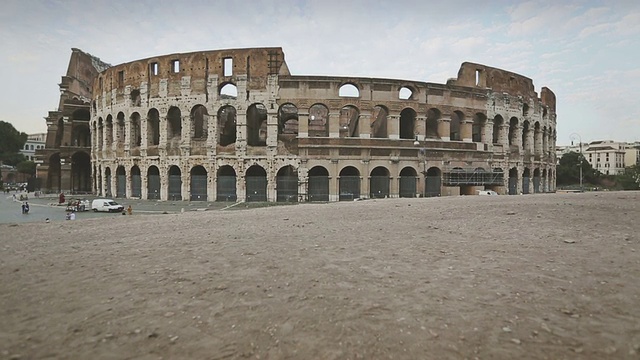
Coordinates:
column 78, row 205
column 106, row 205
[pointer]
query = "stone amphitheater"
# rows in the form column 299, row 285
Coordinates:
column 236, row 125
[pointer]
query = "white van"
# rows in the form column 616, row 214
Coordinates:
column 107, row 205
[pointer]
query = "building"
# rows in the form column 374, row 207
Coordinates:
column 236, row 125
column 632, row 154
column 34, row 142
column 606, row 156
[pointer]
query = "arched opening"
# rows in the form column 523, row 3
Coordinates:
column 81, row 172
column 405, row 93
column 513, row 181
column 257, row 125
column 136, row 182
column 153, row 183
column 349, row 117
column 513, row 130
column 407, row 124
column 227, row 125
column 226, row 184
column 60, row 133
column 498, row 121
column 174, row 124
column 525, row 109
column 199, row 121
column 54, row 180
column 256, row 184
column 379, row 124
column 526, row 179
column 175, row 183
column 457, row 117
column 136, row 132
column 107, row 180
column 318, row 184
column 349, row 90
column 536, row 181
column 153, row 127
column 479, row 120
column 379, row 183
column 228, row 91
column 120, row 130
column 288, row 119
column 81, row 136
column 198, row 188
column 287, row 184
column 408, row 177
column 318, row 121
column 349, row 184
column 433, row 115
column 433, row 182
column 121, row 182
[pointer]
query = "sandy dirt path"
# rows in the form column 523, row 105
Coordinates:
column 508, row 277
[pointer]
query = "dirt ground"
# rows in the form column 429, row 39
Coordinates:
column 554, row 276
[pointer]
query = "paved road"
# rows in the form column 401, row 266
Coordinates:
column 45, row 207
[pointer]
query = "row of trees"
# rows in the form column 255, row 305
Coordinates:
column 568, row 174
column 11, row 142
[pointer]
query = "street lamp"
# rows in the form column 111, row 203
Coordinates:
column 572, row 136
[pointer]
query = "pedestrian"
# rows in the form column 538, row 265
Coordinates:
column 23, row 210
column 72, row 216
column 26, row 207
column 129, row 210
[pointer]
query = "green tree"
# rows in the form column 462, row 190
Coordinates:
column 568, row 170
column 11, row 142
column 27, row 167
column 630, row 179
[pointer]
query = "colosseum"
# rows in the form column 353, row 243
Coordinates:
column 236, row 125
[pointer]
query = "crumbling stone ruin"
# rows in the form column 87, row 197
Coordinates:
column 235, row 125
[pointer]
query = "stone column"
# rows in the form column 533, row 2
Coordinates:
column 537, row 143
column 272, row 129
column 212, row 135
column 334, row 124
column 364, row 125
column 503, row 137
column 127, row 137
column 164, row 182
column 487, row 133
column 517, row 137
column 444, row 128
column 466, row 130
column 241, row 132
column 303, row 125
column 185, row 136
column 530, row 142
column 127, row 185
column 144, row 132
column 421, row 128
column 185, row 177
column 144, row 185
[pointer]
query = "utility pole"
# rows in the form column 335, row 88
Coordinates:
column 579, row 155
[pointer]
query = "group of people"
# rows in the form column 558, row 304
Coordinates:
column 25, row 207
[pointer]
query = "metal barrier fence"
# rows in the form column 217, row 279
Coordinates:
column 379, row 187
column 287, row 188
column 121, row 186
column 226, row 188
column 318, row 188
column 136, row 186
column 198, row 188
column 175, row 187
column 349, row 188
column 153, row 187
column 408, row 186
column 256, row 188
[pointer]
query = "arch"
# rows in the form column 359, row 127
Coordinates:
column 318, row 121
column 318, row 184
column 349, row 118
column 513, row 127
column 256, row 184
column 287, row 184
column 457, row 117
column 513, row 181
column 228, row 90
column 288, row 119
column 349, row 90
column 81, row 172
column 226, row 184
column 479, row 120
column 525, row 109
column 349, row 184
column 433, row 115
column 379, row 124
column 153, row 127
column 121, row 182
column 433, row 182
column 174, row 123
column 498, row 121
column 136, row 132
column 120, row 130
column 226, row 125
column 408, row 177
column 198, row 186
column 81, row 135
column 199, row 122
column 153, row 183
column 379, row 183
column 257, row 125
column 136, row 182
column 405, row 93
column 175, row 183
column 407, row 123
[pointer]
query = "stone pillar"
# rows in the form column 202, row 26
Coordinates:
column 164, row 183
column 241, row 132
column 537, row 143
column 393, row 126
column 530, row 142
column 144, row 142
column 421, row 128
column 466, row 130
column 334, row 124
column 241, row 191
column 128, row 138
column 444, row 128
column 364, row 125
column 185, row 177
column 127, row 185
column 303, row 125
column 212, row 135
column 272, row 129
column 144, row 185
column 487, row 133
column 503, row 137
column 517, row 137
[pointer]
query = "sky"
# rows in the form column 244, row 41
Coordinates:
column 586, row 52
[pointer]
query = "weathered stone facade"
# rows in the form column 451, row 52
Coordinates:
column 236, row 125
